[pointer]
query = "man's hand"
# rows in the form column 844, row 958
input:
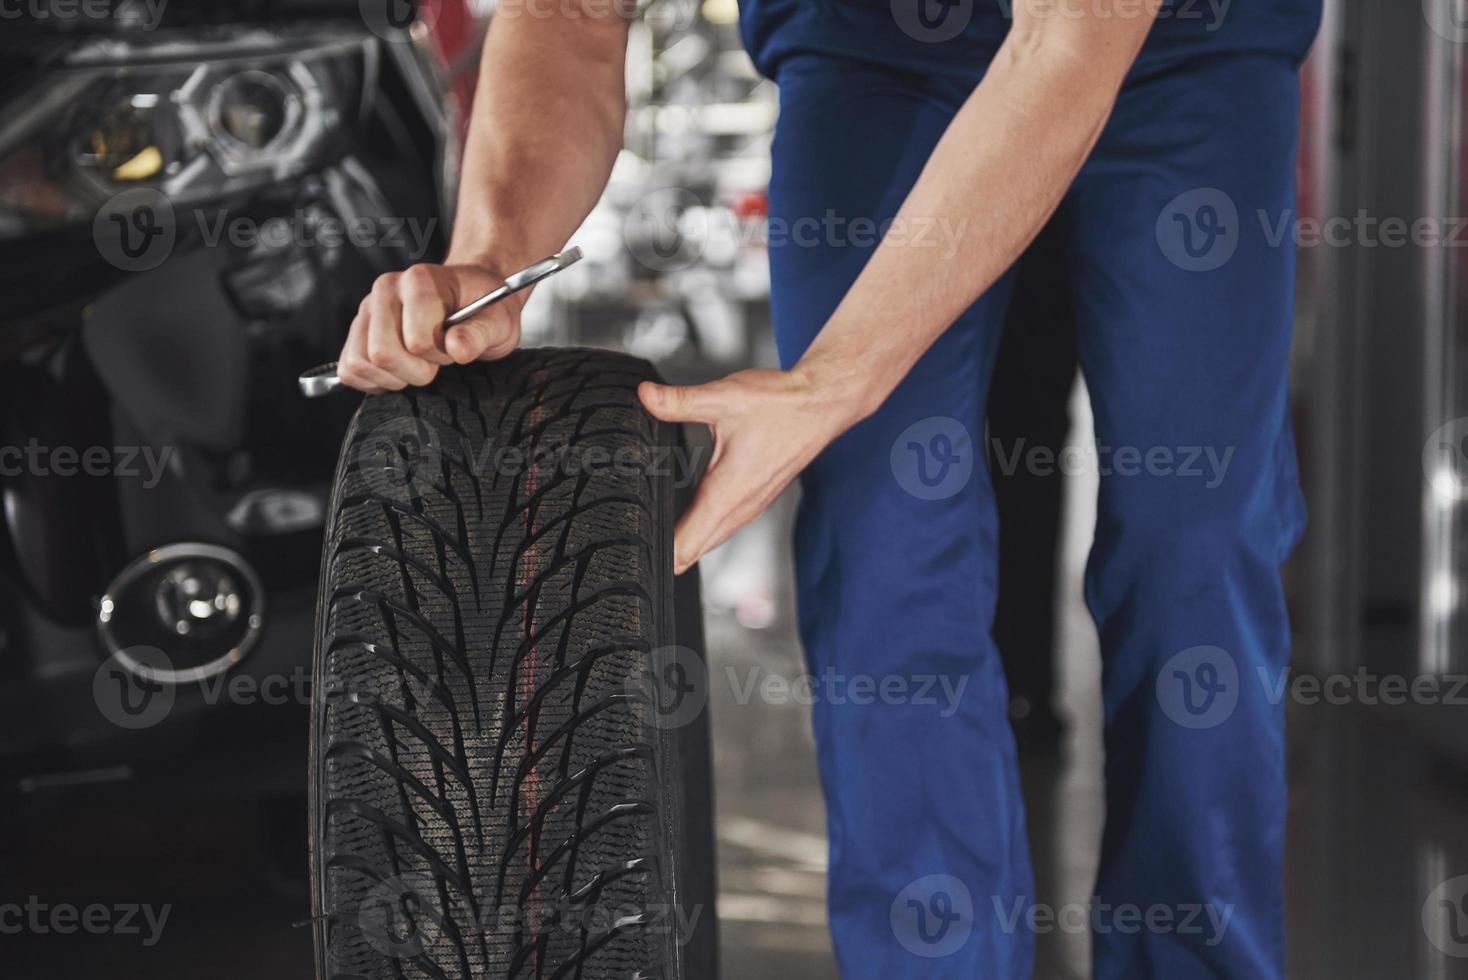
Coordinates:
column 549, row 112
column 398, row 338
column 767, row 426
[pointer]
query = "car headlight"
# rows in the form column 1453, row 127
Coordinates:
column 194, row 122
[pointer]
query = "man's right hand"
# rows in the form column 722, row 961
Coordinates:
column 398, row 338
column 550, row 108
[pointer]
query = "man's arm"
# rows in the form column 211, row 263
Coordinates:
column 997, row 174
column 547, row 126
column 545, row 130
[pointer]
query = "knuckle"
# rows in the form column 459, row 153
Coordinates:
column 381, row 357
column 418, row 279
column 386, row 284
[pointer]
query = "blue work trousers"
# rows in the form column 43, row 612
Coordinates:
column 1178, row 254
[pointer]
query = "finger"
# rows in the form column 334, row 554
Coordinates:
column 746, row 510
column 425, row 297
column 675, row 403
column 353, row 368
column 708, row 520
column 385, row 335
column 488, row 335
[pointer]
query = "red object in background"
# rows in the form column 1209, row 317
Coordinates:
column 752, row 205
column 456, row 34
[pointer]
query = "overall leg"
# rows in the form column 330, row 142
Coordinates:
column 895, row 548
column 1184, row 327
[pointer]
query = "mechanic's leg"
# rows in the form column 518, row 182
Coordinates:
column 1184, row 326
column 1029, row 414
column 895, row 566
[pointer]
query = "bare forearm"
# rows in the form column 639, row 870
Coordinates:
column 546, row 129
column 991, row 183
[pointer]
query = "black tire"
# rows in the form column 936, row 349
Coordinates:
column 497, row 575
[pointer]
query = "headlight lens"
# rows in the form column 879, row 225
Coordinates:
column 252, row 110
column 124, row 139
column 195, row 129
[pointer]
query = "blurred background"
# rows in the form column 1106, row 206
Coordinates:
column 194, row 196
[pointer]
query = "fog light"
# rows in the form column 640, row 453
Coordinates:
column 198, row 599
column 200, row 604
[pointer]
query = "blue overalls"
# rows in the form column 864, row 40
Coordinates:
column 1182, row 282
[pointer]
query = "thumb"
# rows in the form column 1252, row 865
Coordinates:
column 677, row 403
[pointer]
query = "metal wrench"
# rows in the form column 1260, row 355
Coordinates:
column 322, row 379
